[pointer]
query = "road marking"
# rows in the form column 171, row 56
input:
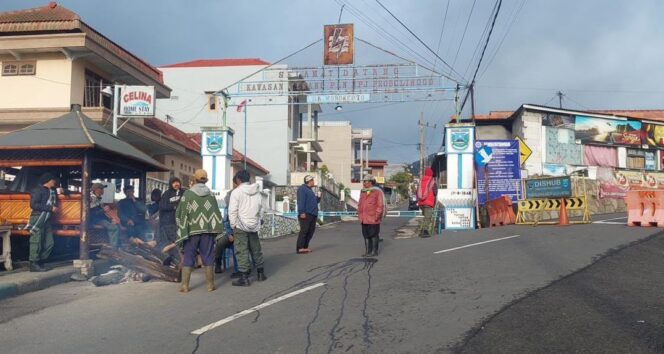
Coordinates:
column 610, row 223
column 475, row 244
column 222, row 322
column 622, row 217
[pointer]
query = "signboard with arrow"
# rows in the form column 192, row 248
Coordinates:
column 498, row 169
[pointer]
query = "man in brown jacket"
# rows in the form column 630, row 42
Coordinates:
column 370, row 211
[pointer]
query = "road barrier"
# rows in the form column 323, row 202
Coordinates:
column 645, row 208
column 500, row 211
column 535, row 207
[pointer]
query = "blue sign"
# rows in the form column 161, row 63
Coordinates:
column 499, row 174
column 483, row 155
column 555, row 187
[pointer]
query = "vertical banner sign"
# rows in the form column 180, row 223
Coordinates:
column 217, row 152
column 339, row 48
column 137, row 101
column 502, row 169
column 459, row 141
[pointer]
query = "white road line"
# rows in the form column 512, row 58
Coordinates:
column 610, row 223
column 475, row 244
column 622, row 217
column 222, row 322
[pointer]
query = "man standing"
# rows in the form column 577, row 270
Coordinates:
column 245, row 210
column 98, row 215
column 199, row 221
column 43, row 202
column 132, row 214
column 370, row 212
column 167, row 206
column 307, row 210
column 426, row 200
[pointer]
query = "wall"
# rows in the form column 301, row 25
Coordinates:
column 528, row 126
column 596, row 206
column 337, row 149
column 48, row 88
column 277, row 225
column 329, row 200
column 267, row 127
column 183, row 166
column 497, row 132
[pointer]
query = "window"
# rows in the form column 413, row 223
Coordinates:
column 636, row 159
column 92, row 96
column 19, row 68
column 212, row 102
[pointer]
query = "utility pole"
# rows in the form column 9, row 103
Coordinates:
column 560, row 99
column 472, row 101
column 457, row 105
column 422, row 146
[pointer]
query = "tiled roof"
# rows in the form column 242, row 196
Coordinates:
column 217, row 62
column 173, row 132
column 494, row 115
column 237, row 156
column 51, row 12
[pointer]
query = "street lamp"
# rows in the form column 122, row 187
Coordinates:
column 338, row 108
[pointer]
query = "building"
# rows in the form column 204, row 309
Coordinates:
column 345, row 152
column 50, row 59
column 620, row 149
column 280, row 132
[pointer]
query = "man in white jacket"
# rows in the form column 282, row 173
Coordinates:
column 245, row 211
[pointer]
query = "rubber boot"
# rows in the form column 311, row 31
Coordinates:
column 369, row 247
column 374, row 241
column 243, row 280
column 260, row 274
column 209, row 277
column 36, row 267
column 186, row 275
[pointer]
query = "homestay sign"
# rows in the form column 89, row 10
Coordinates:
column 137, row 101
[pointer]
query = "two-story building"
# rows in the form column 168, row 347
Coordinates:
column 50, row 59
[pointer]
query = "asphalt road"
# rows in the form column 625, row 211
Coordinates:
column 409, row 300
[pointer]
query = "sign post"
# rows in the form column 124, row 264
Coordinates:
column 459, row 198
column 498, row 165
column 217, row 153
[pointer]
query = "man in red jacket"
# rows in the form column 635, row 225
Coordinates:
column 370, row 211
column 426, row 200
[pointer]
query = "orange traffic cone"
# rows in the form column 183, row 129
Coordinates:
column 564, row 221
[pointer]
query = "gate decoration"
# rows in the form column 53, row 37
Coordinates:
column 339, row 48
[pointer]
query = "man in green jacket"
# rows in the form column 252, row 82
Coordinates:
column 199, row 222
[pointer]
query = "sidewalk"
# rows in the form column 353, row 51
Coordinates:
column 22, row 281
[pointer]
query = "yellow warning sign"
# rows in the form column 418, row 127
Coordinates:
column 524, row 150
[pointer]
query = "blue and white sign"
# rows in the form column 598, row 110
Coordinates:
column 498, row 169
column 483, row 155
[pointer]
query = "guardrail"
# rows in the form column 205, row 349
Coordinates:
column 535, row 207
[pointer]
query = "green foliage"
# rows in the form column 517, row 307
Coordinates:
column 403, row 180
column 324, row 170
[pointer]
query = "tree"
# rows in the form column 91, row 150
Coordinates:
column 403, row 180
column 324, row 170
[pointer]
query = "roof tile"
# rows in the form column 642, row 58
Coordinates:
column 50, row 12
column 217, row 62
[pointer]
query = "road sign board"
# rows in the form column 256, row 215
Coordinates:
column 483, row 155
column 501, row 174
column 524, row 150
column 554, row 187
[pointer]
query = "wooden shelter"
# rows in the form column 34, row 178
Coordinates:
column 79, row 149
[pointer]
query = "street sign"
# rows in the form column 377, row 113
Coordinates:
column 483, row 156
column 340, row 98
column 525, row 150
column 554, row 187
column 500, row 175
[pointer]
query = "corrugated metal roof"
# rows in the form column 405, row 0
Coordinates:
column 74, row 130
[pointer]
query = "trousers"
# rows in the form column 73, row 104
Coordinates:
column 427, row 221
column 246, row 243
column 307, row 229
column 41, row 240
column 204, row 244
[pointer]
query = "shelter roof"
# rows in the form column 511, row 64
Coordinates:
column 74, row 130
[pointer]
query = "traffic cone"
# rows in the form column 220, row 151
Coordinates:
column 564, row 221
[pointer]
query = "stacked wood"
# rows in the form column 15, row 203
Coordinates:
column 141, row 258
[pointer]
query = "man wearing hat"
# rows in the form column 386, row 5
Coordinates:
column 132, row 214
column 199, row 221
column 307, row 210
column 98, row 215
column 43, row 202
column 167, row 206
column 370, row 212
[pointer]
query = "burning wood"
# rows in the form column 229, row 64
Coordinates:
column 143, row 259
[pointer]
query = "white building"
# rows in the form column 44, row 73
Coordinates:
column 192, row 105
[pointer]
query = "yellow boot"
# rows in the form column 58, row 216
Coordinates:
column 186, row 275
column 209, row 277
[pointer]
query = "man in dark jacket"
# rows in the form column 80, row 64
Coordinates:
column 132, row 214
column 307, row 210
column 167, row 206
column 43, row 202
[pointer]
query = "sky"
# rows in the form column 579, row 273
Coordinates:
column 601, row 54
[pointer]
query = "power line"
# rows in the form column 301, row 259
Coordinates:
column 418, row 38
column 464, row 33
column 513, row 17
